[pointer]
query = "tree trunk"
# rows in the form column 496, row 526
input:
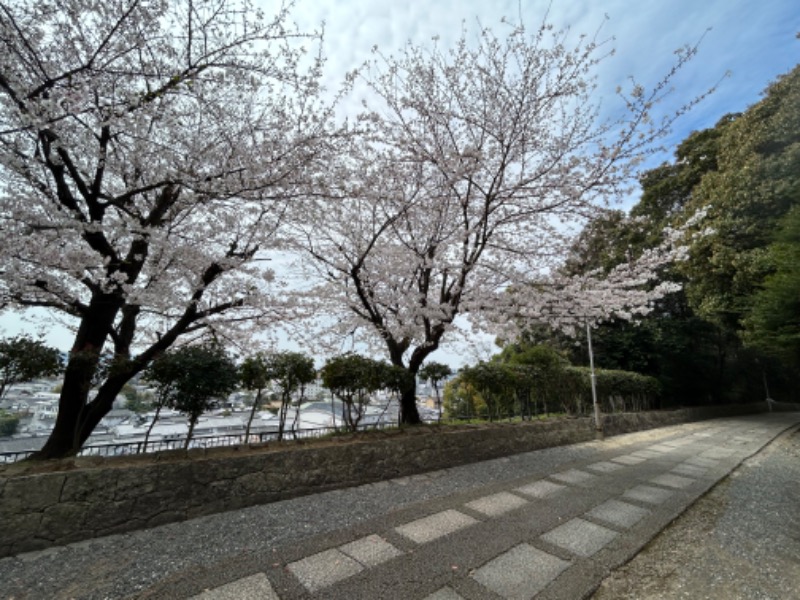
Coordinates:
column 295, row 422
column 101, row 405
column 63, row 440
column 152, row 424
column 72, row 431
column 333, row 413
column 282, row 415
column 347, row 414
column 256, row 403
column 192, row 421
column 297, row 412
column 76, row 417
column 409, row 415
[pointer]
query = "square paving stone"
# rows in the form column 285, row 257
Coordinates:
column 255, row 587
column 445, row 593
column 435, row 526
column 646, row 493
column 541, row 489
column 701, row 462
column 371, row 550
column 712, row 431
column 496, row 504
column 679, row 442
column 663, row 448
column 715, row 453
column 619, row 513
column 574, row 476
column 689, row 470
column 580, row 537
column 647, row 454
column 326, row 568
column 627, row 459
column 673, row 481
column 604, row 467
column 520, row 573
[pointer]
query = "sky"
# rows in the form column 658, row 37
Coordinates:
column 752, row 42
column 745, row 46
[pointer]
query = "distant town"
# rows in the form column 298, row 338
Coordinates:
column 124, row 429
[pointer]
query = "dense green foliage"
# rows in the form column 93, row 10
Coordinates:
column 191, row 378
column 290, row 372
column 23, row 359
column 8, row 424
column 136, row 401
column 495, row 384
column 354, row 379
column 756, row 182
column 461, row 400
column 163, row 373
column 527, row 381
column 617, row 391
column 253, row 376
column 735, row 324
column 435, row 373
column 773, row 325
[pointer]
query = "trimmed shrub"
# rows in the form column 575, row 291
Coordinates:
column 617, row 391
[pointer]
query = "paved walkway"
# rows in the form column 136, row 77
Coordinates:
column 739, row 541
column 548, row 524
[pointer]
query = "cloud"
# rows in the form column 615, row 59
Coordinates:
column 754, row 41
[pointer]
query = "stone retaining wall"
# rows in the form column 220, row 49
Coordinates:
column 57, row 502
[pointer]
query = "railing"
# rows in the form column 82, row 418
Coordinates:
column 212, row 441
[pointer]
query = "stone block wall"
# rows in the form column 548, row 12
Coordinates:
column 57, row 502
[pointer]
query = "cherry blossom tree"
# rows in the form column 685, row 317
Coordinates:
column 473, row 168
column 148, row 150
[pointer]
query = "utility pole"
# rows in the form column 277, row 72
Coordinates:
column 598, row 425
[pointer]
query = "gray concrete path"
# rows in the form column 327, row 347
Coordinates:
column 741, row 540
column 548, row 524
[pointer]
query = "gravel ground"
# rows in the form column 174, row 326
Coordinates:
column 739, row 542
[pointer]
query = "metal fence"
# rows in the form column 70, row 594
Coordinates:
column 212, row 441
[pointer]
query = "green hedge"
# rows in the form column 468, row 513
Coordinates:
column 8, row 424
column 617, row 391
column 495, row 390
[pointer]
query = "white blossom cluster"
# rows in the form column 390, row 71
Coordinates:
column 148, row 150
column 467, row 174
column 154, row 154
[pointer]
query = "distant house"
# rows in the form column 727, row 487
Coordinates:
column 328, row 406
column 116, row 416
column 166, row 430
column 218, row 425
column 316, row 418
column 45, row 408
